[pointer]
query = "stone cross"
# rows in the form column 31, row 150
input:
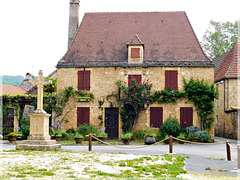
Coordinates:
column 40, row 82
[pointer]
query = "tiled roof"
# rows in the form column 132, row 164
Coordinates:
column 227, row 64
column 102, row 39
column 14, row 90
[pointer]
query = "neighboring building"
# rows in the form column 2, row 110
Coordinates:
column 226, row 80
column 26, row 84
column 13, row 90
column 157, row 46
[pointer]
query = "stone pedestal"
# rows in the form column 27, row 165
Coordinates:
column 39, row 138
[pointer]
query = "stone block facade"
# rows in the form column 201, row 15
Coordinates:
column 226, row 113
column 102, row 83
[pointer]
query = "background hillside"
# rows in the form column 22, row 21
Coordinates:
column 12, row 80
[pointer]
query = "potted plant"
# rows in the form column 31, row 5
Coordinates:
column 150, row 136
column 57, row 134
column 102, row 136
column 193, row 137
column 181, row 136
column 12, row 136
column 78, row 138
column 126, row 138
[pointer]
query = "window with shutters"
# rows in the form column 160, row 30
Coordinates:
column 186, row 116
column 135, row 52
column 156, row 116
column 83, row 80
column 83, row 115
column 138, row 79
column 171, row 79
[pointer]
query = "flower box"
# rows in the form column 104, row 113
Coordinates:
column 83, row 99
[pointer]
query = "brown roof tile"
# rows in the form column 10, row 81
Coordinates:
column 229, row 64
column 103, row 37
column 14, row 90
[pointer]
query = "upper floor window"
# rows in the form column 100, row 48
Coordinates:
column 83, row 80
column 171, row 79
column 138, row 79
column 135, row 50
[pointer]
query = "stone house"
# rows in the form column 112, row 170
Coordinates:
column 226, row 80
column 157, row 46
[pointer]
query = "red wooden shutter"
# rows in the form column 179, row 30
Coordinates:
column 83, row 115
column 167, row 79
column 174, row 80
column 80, row 80
column 156, row 116
column 171, row 80
column 186, row 116
column 83, row 80
column 87, row 80
column 138, row 79
column 135, row 52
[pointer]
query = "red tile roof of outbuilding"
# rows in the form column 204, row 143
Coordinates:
column 103, row 37
column 229, row 64
column 14, row 90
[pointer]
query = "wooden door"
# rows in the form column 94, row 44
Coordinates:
column 111, row 122
column 156, row 116
column 8, row 121
column 186, row 116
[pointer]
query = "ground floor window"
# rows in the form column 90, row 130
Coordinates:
column 83, row 115
column 156, row 116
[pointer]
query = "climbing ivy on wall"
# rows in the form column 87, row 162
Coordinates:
column 135, row 96
column 202, row 94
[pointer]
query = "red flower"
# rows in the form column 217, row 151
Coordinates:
column 185, row 122
column 127, row 117
column 132, row 94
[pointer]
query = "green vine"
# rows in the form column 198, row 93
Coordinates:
column 202, row 94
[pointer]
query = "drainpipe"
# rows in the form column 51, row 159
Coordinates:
column 228, row 95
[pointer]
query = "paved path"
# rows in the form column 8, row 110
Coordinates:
column 200, row 156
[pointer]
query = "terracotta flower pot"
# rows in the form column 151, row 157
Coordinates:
column 57, row 138
column 78, row 140
column 126, row 141
column 12, row 138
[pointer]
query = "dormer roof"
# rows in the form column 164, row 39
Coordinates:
column 135, row 41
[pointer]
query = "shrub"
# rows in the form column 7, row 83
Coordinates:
column 171, row 127
column 138, row 135
column 25, row 128
column 78, row 135
column 203, row 136
column 192, row 136
column 64, row 137
column 70, row 131
column 159, row 136
column 86, row 129
column 182, row 136
column 192, row 130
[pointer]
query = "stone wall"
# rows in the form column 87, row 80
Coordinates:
column 102, row 80
column 226, row 114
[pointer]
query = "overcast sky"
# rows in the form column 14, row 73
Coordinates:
column 34, row 33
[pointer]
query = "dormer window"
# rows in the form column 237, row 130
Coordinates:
column 135, row 50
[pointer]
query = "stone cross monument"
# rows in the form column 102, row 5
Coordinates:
column 40, row 82
column 39, row 138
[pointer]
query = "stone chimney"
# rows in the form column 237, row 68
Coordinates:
column 73, row 20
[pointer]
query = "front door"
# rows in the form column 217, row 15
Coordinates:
column 8, row 121
column 111, row 122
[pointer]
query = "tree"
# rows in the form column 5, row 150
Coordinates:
column 219, row 38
